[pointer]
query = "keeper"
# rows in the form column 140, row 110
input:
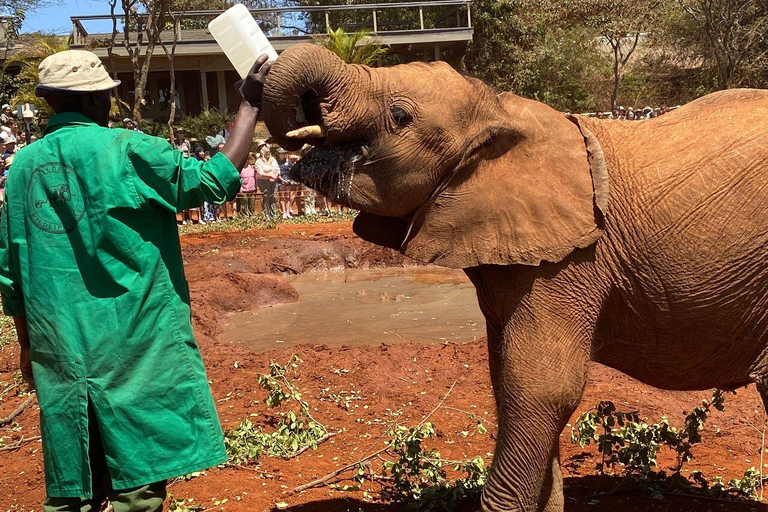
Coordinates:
column 91, row 271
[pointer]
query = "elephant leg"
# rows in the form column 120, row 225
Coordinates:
column 538, row 369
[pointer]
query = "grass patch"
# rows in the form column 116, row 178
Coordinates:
column 241, row 223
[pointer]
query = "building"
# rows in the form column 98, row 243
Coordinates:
column 422, row 30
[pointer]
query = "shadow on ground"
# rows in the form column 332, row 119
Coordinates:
column 582, row 494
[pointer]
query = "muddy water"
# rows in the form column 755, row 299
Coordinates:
column 365, row 307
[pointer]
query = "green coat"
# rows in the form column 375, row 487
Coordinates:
column 90, row 254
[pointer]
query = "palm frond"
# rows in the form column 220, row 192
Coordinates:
column 355, row 48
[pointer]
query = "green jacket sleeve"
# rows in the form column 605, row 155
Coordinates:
column 163, row 175
column 10, row 276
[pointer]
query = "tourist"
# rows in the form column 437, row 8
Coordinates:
column 246, row 201
column 181, row 143
column 10, row 147
column 214, row 138
column 310, row 208
column 287, row 188
column 227, row 128
column 6, row 114
column 268, row 173
column 97, row 274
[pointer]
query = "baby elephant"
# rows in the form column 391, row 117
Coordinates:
column 643, row 246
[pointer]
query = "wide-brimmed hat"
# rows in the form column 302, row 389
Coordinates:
column 77, row 71
column 282, row 150
column 10, row 140
column 178, row 130
column 5, row 106
column 127, row 120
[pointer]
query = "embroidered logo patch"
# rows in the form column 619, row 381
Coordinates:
column 55, row 201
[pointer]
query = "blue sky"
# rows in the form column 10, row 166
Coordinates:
column 56, row 18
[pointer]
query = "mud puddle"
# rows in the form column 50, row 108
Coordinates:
column 365, row 307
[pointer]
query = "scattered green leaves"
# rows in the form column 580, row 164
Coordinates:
column 626, row 441
column 295, row 430
column 419, row 476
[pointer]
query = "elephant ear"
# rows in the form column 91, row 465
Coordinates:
column 529, row 191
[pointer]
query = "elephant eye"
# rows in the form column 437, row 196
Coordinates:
column 400, row 116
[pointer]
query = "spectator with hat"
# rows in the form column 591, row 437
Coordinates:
column 10, row 147
column 6, row 114
column 181, row 143
column 91, row 271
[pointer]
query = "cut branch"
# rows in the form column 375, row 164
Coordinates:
column 17, row 445
column 17, row 411
column 305, row 448
column 333, row 474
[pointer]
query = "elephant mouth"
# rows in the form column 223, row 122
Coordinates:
column 331, row 169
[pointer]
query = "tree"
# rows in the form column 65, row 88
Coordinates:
column 356, row 48
column 620, row 24
column 528, row 47
column 147, row 25
column 29, row 54
column 731, row 34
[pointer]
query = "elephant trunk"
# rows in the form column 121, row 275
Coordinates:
column 300, row 89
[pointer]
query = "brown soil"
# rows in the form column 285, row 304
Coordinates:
column 237, row 271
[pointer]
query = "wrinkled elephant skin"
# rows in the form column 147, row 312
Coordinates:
column 643, row 246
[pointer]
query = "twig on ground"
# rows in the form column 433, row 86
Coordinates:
column 438, row 405
column 322, row 480
column 305, row 448
column 8, row 390
column 17, row 411
column 333, row 474
column 393, row 332
column 18, row 444
column 470, row 413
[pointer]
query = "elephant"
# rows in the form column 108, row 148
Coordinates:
column 639, row 245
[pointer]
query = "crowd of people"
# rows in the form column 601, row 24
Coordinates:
column 11, row 140
column 265, row 176
column 630, row 114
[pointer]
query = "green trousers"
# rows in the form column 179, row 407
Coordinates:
column 147, row 498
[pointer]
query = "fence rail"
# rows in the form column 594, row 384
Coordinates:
column 377, row 21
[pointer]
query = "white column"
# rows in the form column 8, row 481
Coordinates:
column 204, row 89
column 222, row 91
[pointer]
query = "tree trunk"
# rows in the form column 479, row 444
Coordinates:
column 616, row 75
column 111, row 54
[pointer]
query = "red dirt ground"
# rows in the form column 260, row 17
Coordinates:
column 237, row 271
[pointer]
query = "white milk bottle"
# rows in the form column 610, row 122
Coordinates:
column 240, row 37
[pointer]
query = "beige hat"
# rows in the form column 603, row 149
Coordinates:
column 75, row 71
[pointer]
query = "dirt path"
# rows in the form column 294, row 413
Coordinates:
column 232, row 272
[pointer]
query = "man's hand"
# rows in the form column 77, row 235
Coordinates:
column 253, row 84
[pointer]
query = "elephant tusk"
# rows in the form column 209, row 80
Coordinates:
column 307, row 132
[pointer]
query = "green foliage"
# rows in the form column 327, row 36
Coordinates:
column 295, row 431
column 526, row 47
column 196, row 127
column 419, row 476
column 625, row 440
column 356, row 48
column 29, row 55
